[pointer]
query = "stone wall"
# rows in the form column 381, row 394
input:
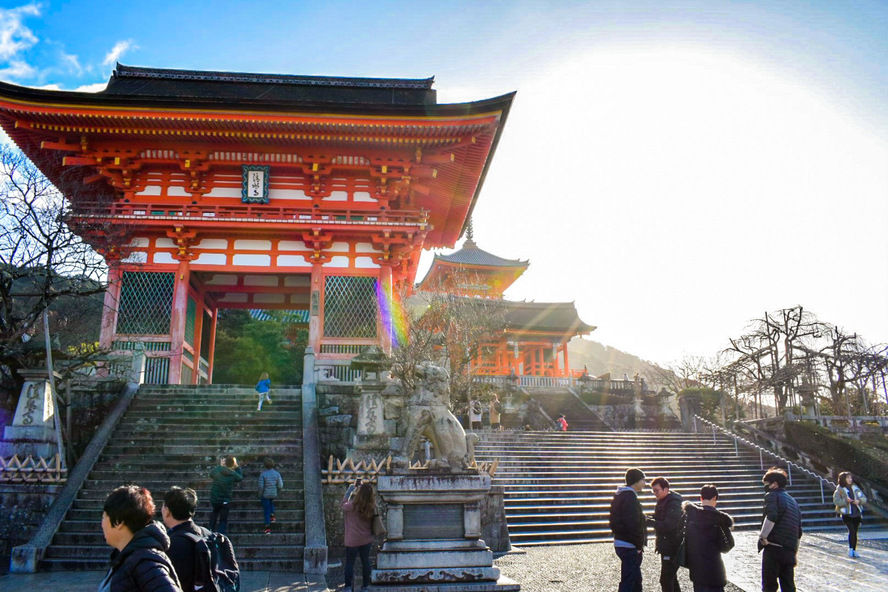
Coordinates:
column 22, row 509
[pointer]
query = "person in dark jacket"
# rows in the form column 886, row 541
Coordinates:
column 707, row 537
column 667, row 525
column 629, row 525
column 224, row 477
column 139, row 562
column 780, row 534
column 178, row 510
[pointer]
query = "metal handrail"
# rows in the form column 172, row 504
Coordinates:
column 762, row 450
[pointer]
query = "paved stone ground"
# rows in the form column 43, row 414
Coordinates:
column 823, row 567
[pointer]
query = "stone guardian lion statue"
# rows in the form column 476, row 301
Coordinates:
column 428, row 414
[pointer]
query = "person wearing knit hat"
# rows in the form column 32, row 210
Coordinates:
column 629, row 525
column 633, row 476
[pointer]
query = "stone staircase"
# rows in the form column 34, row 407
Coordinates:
column 174, row 435
column 556, row 400
column 559, row 485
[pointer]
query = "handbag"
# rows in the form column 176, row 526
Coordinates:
column 681, row 554
column 725, row 540
column 377, row 526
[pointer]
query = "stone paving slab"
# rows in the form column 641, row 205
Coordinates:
column 823, row 563
column 823, row 567
column 88, row 581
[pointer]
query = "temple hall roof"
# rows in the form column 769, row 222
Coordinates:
column 545, row 317
column 163, row 82
column 470, row 254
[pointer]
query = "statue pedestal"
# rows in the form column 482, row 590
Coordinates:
column 434, row 534
column 32, row 431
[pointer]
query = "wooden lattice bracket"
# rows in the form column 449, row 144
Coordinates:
column 345, row 471
column 32, row 470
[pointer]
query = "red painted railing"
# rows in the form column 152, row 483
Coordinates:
column 249, row 212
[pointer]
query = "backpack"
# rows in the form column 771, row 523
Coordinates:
column 215, row 567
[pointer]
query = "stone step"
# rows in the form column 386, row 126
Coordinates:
column 208, row 451
column 293, row 564
column 289, row 534
column 558, row 486
column 241, row 494
column 287, row 511
column 256, row 419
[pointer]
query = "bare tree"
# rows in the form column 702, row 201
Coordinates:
column 43, row 263
column 451, row 330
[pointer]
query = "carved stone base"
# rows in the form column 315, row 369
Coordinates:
column 434, row 533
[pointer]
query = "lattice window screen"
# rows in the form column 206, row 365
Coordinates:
column 190, row 315
column 146, row 302
column 350, row 307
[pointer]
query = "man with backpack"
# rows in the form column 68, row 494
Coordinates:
column 203, row 560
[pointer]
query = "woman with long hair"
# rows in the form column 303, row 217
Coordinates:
column 358, row 506
column 849, row 502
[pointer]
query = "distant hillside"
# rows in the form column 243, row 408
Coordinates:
column 601, row 359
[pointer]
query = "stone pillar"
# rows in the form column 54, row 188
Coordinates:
column 33, row 429
column 690, row 406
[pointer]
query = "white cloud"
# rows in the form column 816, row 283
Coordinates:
column 14, row 35
column 120, row 48
column 15, row 38
column 72, row 62
column 17, row 69
column 97, row 87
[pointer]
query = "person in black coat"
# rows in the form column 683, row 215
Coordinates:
column 780, row 534
column 629, row 525
column 707, row 537
column 139, row 562
column 178, row 510
column 667, row 525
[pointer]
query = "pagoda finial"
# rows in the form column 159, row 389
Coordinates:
column 470, row 231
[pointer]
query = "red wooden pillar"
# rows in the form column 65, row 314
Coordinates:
column 112, row 302
column 198, row 338
column 566, row 362
column 316, row 316
column 177, row 321
column 211, row 349
column 384, row 333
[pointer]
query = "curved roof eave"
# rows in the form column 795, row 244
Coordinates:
column 38, row 96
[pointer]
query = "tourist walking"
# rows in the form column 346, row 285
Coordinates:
column 707, row 537
column 270, row 483
column 224, row 477
column 495, row 409
column 475, row 411
column 358, row 507
column 263, row 387
column 139, row 562
column 561, row 423
column 628, row 523
column 780, row 534
column 667, row 526
column 849, row 502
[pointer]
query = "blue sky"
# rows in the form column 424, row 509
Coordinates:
column 675, row 168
